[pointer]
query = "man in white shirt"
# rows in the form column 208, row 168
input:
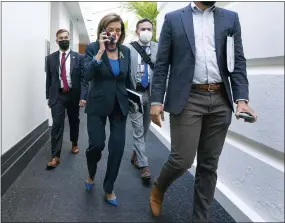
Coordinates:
column 200, row 96
column 141, row 76
column 66, row 90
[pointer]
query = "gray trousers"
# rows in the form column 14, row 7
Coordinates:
column 141, row 123
column 201, row 127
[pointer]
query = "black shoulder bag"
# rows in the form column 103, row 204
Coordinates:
column 143, row 54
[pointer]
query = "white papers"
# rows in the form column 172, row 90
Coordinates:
column 230, row 54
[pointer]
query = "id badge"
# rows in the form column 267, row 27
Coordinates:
column 142, row 68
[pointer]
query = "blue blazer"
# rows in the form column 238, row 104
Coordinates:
column 177, row 49
column 104, row 86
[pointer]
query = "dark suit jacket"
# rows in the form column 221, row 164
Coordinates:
column 104, row 85
column 177, row 49
column 79, row 85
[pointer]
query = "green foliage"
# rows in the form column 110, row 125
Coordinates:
column 144, row 10
column 126, row 23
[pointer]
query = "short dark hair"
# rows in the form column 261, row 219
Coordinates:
column 106, row 20
column 142, row 21
column 61, row 31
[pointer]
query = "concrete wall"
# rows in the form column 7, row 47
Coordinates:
column 75, row 41
column 25, row 27
column 131, row 31
column 1, row 84
column 251, row 169
column 61, row 19
column 66, row 21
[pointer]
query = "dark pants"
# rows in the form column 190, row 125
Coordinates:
column 201, row 127
column 65, row 102
column 97, row 136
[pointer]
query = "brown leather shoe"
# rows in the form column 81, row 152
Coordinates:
column 134, row 160
column 53, row 163
column 156, row 199
column 145, row 173
column 75, row 149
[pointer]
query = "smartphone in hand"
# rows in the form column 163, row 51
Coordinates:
column 246, row 116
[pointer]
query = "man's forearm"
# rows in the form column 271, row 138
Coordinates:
column 161, row 69
column 83, row 95
column 239, row 81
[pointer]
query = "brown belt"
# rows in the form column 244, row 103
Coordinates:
column 208, row 87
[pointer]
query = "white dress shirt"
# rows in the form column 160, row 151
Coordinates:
column 67, row 67
column 206, row 65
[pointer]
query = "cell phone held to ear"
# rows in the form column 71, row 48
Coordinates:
column 111, row 37
column 246, row 116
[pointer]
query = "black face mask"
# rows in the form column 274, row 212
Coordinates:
column 63, row 44
column 208, row 3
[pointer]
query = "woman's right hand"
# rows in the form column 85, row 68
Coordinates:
column 103, row 39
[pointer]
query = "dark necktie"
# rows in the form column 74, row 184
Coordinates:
column 144, row 78
column 63, row 73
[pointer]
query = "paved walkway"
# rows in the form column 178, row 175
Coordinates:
column 59, row 195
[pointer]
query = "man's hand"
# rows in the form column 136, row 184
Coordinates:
column 162, row 113
column 157, row 114
column 242, row 106
column 82, row 103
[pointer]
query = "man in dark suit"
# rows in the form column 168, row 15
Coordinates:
column 199, row 96
column 66, row 90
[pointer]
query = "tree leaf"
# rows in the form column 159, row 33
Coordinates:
column 143, row 10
